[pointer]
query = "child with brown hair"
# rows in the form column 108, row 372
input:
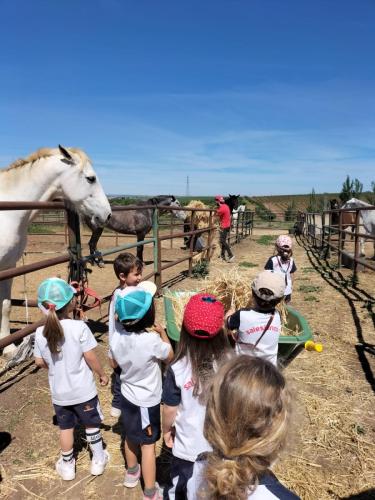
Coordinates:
column 258, row 328
column 247, row 421
column 137, row 349
column 128, row 269
column 202, row 347
column 66, row 348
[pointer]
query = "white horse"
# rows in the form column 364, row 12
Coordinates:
column 45, row 174
column 235, row 212
column 367, row 216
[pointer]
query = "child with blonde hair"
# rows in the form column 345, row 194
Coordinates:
column 246, row 424
column 283, row 263
column 203, row 345
column 66, row 347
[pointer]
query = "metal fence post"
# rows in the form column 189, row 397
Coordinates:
column 340, row 248
column 157, row 247
column 356, row 246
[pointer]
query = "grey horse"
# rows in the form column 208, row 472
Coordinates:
column 137, row 222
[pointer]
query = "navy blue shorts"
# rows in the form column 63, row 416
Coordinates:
column 181, row 472
column 140, row 425
column 89, row 414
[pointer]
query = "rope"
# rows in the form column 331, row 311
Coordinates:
column 25, row 291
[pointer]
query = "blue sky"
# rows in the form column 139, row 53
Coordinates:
column 254, row 96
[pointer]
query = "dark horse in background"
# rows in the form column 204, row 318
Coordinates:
column 137, row 222
column 231, row 200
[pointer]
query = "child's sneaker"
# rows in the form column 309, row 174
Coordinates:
column 132, row 478
column 97, row 467
column 66, row 470
column 158, row 495
column 115, row 412
column 231, row 259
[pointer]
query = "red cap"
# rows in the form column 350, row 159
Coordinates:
column 203, row 316
column 219, row 198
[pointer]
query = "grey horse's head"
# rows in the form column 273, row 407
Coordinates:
column 170, row 201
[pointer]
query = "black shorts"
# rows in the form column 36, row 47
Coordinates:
column 181, row 472
column 88, row 413
column 140, row 425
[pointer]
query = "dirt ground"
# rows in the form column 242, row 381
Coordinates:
column 331, row 455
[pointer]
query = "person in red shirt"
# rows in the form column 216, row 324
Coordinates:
column 223, row 212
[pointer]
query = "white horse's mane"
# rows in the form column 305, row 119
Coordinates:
column 45, row 153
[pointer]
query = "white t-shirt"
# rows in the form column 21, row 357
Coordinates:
column 287, row 268
column 269, row 488
column 138, row 355
column 178, row 390
column 70, row 378
column 113, row 323
column 250, row 325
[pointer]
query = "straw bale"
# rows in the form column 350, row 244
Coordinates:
column 201, row 219
column 233, row 290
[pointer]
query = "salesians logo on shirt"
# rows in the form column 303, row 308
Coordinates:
column 257, row 329
column 188, row 385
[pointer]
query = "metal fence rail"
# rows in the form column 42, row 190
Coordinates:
column 77, row 261
column 322, row 234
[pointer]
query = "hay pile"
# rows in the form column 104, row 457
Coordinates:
column 233, row 290
column 201, row 219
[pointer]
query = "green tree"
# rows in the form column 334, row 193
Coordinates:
column 313, row 202
column 350, row 189
column 371, row 195
column 290, row 211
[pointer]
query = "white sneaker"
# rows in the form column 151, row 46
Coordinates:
column 66, row 470
column 231, row 259
column 97, row 468
column 115, row 412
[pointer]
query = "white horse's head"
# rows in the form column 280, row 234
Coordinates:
column 179, row 214
column 355, row 203
column 79, row 185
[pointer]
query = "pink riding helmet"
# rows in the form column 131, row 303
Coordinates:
column 219, row 198
column 284, row 241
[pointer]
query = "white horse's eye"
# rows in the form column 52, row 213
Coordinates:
column 91, row 179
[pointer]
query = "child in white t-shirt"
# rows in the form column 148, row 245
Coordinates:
column 284, row 264
column 137, row 349
column 258, row 328
column 203, row 345
column 247, row 424
column 128, row 269
column 66, row 348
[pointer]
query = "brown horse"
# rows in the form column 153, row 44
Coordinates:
column 137, row 222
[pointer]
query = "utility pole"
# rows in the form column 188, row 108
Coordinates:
column 187, row 186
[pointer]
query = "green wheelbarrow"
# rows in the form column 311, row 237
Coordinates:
column 289, row 345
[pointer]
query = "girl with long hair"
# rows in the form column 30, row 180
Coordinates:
column 202, row 347
column 247, row 421
column 66, row 347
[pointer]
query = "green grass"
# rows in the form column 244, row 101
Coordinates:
column 266, row 239
column 308, row 270
column 41, row 228
column 200, row 270
column 310, row 298
column 247, row 264
column 309, row 288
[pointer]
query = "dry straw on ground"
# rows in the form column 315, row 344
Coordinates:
column 233, row 289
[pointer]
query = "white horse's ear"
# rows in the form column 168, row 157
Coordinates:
column 66, row 154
